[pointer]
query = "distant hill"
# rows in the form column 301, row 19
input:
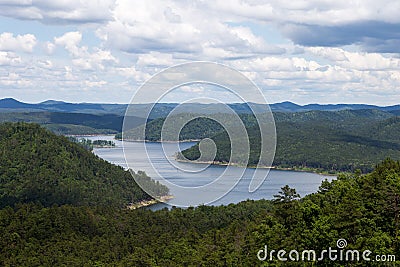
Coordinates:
column 73, row 123
column 12, row 105
column 163, row 109
column 40, row 167
column 351, row 120
column 195, row 129
column 331, row 141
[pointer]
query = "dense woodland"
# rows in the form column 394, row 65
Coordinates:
column 363, row 209
column 196, row 129
column 315, row 140
column 37, row 166
column 60, row 205
column 160, row 110
column 328, row 141
column 89, row 144
column 73, row 123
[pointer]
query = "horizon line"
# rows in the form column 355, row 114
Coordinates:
column 282, row 102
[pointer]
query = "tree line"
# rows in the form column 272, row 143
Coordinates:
column 361, row 209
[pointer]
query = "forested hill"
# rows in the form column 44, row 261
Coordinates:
column 162, row 109
column 355, row 121
column 329, row 141
column 361, row 209
column 73, row 123
column 40, row 167
column 198, row 128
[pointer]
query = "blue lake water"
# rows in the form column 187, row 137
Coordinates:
column 304, row 182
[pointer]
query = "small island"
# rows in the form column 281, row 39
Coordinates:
column 103, row 144
column 89, row 144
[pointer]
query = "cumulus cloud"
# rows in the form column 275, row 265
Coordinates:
column 95, row 60
column 178, row 27
column 9, row 59
column 131, row 73
column 155, row 58
column 59, row 12
column 193, row 26
column 47, row 64
column 343, row 74
column 24, row 43
column 70, row 42
column 95, row 83
column 14, row 80
column 49, row 47
column 372, row 24
column 320, row 47
column 357, row 60
column 82, row 57
column 312, row 12
column 374, row 36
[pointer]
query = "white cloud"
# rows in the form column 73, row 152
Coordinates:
column 367, row 74
column 24, row 43
column 190, row 26
column 138, row 38
column 356, row 60
column 192, row 89
column 319, row 12
column 95, row 83
column 372, row 24
column 309, row 12
column 95, row 60
column 277, row 64
column 57, row 12
column 82, row 58
column 70, row 42
column 49, row 47
column 47, row 64
column 9, row 59
column 131, row 73
column 179, row 28
column 14, row 80
column 155, row 59
column 68, row 74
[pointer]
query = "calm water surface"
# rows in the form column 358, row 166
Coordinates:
column 304, row 183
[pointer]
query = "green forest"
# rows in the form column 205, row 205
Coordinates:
column 89, row 144
column 63, row 206
column 72, row 123
column 362, row 209
column 40, row 167
column 324, row 141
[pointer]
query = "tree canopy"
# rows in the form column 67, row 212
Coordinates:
column 39, row 166
column 362, row 209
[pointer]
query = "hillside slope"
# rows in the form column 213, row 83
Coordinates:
column 163, row 109
column 73, row 123
column 330, row 141
column 361, row 210
column 39, row 166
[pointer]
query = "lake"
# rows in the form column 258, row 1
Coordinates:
column 304, row 182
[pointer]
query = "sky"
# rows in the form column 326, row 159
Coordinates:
column 304, row 51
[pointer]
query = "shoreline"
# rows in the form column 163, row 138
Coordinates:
column 146, row 203
column 89, row 135
column 104, row 146
column 218, row 163
column 150, row 141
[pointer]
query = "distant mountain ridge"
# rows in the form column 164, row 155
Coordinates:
column 72, row 122
column 162, row 109
column 12, row 105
